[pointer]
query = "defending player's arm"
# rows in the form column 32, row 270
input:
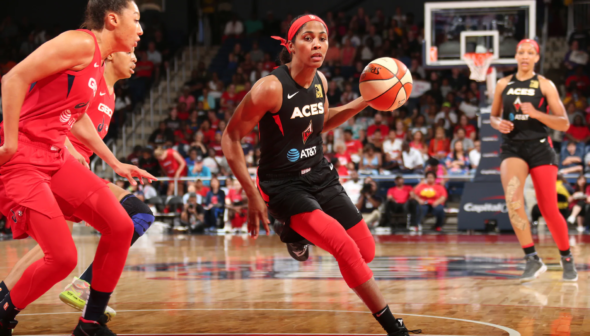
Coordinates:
column 70, row 147
column 504, row 126
column 337, row 116
column 181, row 164
column 70, row 50
column 84, row 131
column 558, row 119
column 265, row 95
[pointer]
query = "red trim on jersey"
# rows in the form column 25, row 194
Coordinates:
column 277, row 119
column 550, row 141
column 262, row 193
column 542, row 100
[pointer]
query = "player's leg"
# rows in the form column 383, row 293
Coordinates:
column 513, row 173
column 60, row 259
column 544, row 180
column 328, row 234
column 36, row 253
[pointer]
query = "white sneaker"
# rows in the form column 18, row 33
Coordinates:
column 76, row 294
column 580, row 229
column 571, row 219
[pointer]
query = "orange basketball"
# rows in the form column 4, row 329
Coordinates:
column 386, row 84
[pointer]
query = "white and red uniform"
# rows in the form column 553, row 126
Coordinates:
column 170, row 165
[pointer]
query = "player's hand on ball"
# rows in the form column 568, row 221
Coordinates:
column 528, row 108
column 257, row 213
column 505, row 126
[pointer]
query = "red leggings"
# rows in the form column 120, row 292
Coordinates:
column 353, row 248
column 103, row 211
column 544, row 178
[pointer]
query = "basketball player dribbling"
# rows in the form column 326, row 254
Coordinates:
column 117, row 66
column 521, row 112
column 43, row 97
column 300, row 187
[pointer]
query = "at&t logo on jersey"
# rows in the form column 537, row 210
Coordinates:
column 293, row 154
column 521, row 92
column 308, row 110
column 103, row 108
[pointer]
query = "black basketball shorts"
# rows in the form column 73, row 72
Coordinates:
column 318, row 189
column 535, row 153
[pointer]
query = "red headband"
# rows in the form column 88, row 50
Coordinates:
column 532, row 42
column 295, row 27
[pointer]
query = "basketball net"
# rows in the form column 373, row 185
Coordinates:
column 478, row 65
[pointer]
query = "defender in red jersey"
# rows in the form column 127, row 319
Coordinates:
column 173, row 165
column 118, row 66
column 43, row 97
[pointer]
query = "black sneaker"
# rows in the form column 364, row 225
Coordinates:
column 403, row 331
column 92, row 328
column 6, row 327
column 298, row 251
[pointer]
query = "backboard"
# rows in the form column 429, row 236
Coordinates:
column 454, row 28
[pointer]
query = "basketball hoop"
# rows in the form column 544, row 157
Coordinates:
column 478, row 65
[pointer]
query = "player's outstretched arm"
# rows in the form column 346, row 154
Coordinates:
column 558, row 119
column 337, row 116
column 265, row 96
column 84, row 131
column 70, row 50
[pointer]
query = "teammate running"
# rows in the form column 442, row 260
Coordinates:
column 117, row 66
column 521, row 112
column 43, row 97
column 300, row 187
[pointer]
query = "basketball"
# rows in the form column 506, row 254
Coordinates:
column 386, row 84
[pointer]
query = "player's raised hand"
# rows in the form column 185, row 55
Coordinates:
column 130, row 171
column 257, row 213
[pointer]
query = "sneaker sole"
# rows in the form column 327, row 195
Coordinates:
column 537, row 274
column 72, row 300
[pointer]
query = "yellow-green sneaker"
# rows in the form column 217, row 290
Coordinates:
column 76, row 294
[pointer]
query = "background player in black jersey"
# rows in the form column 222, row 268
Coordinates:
column 300, row 187
column 525, row 106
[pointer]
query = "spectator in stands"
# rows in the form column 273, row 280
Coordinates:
column 134, row 157
column 196, row 167
column 412, row 161
column 377, row 40
column 334, row 53
column 378, row 125
column 366, row 53
column 155, row 57
column 253, row 25
column 334, row 95
column 174, row 166
column 256, row 55
column 233, row 28
column 419, row 124
column 211, row 162
column 392, row 144
column 580, row 35
column 353, row 147
column 148, row 163
column 457, row 161
column 348, row 52
column 348, row 95
column 575, row 57
column 214, row 205
column 449, row 116
column 162, row 45
column 144, row 74
column 216, row 145
column 475, row 154
column 419, row 143
column 439, row 146
column 431, row 197
column 353, row 186
column 208, row 100
column 229, row 97
column 572, row 159
column 580, row 79
column 470, row 130
column 578, row 132
column 122, row 101
column 173, row 122
column 193, row 214
column 460, row 136
column 215, row 86
column 200, row 188
column 208, row 132
column 399, row 201
column 400, row 130
column 161, row 135
column 149, row 191
column 353, row 40
column 369, row 203
column 371, row 161
column 187, row 98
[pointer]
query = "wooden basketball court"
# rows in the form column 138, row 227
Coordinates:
column 216, row 285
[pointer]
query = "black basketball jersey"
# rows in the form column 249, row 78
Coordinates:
column 516, row 93
column 290, row 140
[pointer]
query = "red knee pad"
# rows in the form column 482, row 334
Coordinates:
column 326, row 233
column 364, row 240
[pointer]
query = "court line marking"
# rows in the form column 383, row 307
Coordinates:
column 511, row 332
